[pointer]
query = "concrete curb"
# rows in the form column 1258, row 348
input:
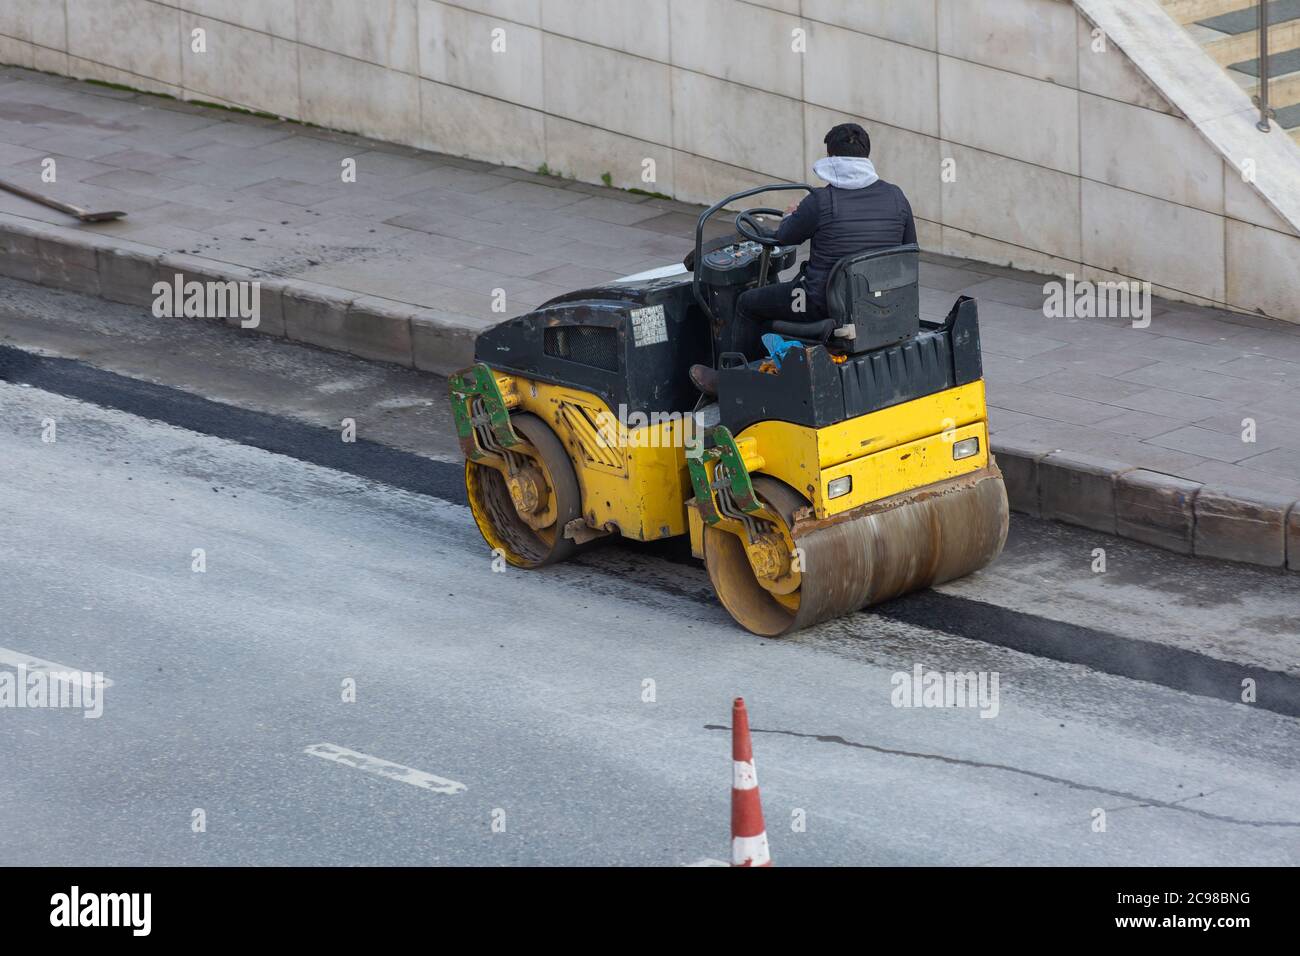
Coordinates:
column 1232, row 524
column 119, row 270
column 1042, row 481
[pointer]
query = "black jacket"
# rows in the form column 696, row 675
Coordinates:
column 842, row 222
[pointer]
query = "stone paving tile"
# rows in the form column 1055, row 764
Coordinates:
column 1095, row 336
column 319, row 173
column 1002, row 419
column 1088, row 385
column 361, row 206
column 294, row 193
column 238, row 133
column 440, row 201
column 266, row 209
column 678, row 224
column 60, row 141
column 608, row 233
column 1238, row 476
column 1210, row 444
column 1062, row 408
column 1275, row 343
column 11, row 155
column 162, row 235
column 1016, row 371
column 1282, row 462
column 1140, row 425
column 518, row 264
column 381, row 163
column 229, row 177
column 1284, row 406
column 610, row 210
column 1230, row 423
column 937, row 276
column 1113, row 363
column 1010, row 291
column 470, row 231
column 1133, row 451
column 569, row 276
column 532, row 194
column 448, row 177
column 309, row 148
column 158, row 124
column 68, row 169
column 24, row 134
column 351, row 228
column 1196, row 328
column 1162, row 348
column 1018, row 346
column 146, row 161
column 183, row 216
column 536, row 218
column 259, row 231
column 1160, row 401
column 1256, row 367
column 1199, row 382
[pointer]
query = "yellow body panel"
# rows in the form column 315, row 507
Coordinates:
column 917, row 436
column 634, row 480
column 902, row 468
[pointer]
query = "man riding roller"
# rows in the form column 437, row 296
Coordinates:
column 857, row 212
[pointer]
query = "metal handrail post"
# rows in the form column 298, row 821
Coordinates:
column 1264, row 111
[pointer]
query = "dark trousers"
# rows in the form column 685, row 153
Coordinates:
column 769, row 303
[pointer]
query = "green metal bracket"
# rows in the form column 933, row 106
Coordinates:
column 479, row 381
column 742, row 489
column 700, row 483
column 726, row 453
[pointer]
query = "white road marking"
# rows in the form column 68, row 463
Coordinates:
column 708, row 861
column 35, row 665
column 384, row 768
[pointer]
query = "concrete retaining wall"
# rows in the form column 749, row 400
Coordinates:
column 1020, row 137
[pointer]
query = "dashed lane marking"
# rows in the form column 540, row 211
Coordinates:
column 385, row 768
column 54, row 671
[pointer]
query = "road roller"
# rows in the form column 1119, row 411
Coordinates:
column 848, row 466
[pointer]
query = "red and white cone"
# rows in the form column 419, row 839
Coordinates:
column 748, row 834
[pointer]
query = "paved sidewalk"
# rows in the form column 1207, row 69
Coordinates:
column 442, row 233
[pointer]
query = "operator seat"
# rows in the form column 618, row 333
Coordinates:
column 873, row 299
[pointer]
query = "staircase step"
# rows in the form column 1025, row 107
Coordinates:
column 1283, row 91
column 1289, row 117
column 1247, row 19
column 1189, row 11
column 1279, row 64
column 1245, row 46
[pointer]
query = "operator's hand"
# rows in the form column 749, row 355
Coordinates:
column 789, row 210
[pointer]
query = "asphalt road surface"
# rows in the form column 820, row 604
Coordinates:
column 312, row 656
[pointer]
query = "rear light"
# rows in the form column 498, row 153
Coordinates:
column 965, row 448
column 839, row 487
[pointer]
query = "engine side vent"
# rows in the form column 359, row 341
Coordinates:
column 593, row 345
column 594, row 435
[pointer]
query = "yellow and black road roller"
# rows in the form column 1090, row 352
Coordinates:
column 848, row 468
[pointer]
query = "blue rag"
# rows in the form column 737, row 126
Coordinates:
column 777, row 346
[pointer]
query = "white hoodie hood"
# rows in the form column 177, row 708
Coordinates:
column 846, row 172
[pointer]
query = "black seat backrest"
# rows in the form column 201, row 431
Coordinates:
column 874, row 298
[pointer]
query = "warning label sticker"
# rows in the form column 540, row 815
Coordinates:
column 648, row 325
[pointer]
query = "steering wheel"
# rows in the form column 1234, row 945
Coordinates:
column 747, row 227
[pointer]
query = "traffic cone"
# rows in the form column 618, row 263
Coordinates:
column 748, row 835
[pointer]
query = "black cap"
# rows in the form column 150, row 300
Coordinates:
column 848, row 139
